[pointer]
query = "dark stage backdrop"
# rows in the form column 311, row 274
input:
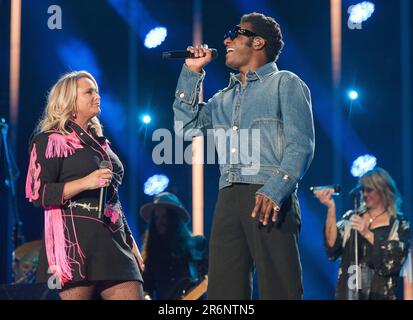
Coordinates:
column 100, row 36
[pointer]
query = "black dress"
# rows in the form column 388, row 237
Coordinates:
column 79, row 245
column 379, row 264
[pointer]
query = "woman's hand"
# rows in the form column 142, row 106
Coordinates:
column 361, row 225
column 98, row 179
column 325, row 197
column 138, row 255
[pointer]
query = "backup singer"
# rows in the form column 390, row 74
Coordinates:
column 383, row 242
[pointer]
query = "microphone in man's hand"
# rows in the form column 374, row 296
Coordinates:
column 103, row 190
column 184, row 54
column 336, row 188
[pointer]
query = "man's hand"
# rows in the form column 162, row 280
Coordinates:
column 203, row 56
column 265, row 208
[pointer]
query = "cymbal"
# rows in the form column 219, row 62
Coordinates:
column 27, row 249
column 26, row 258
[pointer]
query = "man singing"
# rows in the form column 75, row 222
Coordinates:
column 257, row 216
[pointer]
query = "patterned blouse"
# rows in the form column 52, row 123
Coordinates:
column 379, row 263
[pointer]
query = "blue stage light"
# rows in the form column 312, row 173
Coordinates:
column 361, row 12
column 363, row 164
column 146, row 119
column 155, row 37
column 353, row 94
column 156, row 184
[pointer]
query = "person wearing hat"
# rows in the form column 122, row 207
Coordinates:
column 175, row 260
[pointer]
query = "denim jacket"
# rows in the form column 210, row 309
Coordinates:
column 263, row 131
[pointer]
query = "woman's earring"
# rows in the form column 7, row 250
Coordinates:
column 74, row 115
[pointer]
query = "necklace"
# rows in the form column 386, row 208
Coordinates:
column 374, row 218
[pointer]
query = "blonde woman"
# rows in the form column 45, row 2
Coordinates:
column 86, row 252
column 383, row 239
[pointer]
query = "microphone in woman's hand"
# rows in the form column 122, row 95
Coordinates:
column 335, row 188
column 103, row 190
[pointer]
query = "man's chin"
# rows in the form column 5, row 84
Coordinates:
column 231, row 65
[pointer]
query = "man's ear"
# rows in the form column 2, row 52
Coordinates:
column 258, row 43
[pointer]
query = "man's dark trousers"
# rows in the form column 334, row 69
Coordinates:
column 240, row 244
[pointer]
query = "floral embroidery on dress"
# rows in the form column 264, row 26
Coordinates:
column 112, row 212
column 105, row 144
column 33, row 174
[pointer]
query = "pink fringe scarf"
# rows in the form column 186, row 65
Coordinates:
column 59, row 146
column 56, row 245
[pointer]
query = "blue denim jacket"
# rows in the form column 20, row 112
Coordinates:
column 264, row 130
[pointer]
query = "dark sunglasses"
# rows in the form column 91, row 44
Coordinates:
column 237, row 30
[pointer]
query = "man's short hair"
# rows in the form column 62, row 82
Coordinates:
column 269, row 29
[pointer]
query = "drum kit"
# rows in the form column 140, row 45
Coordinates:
column 25, row 262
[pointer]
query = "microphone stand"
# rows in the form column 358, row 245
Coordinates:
column 356, row 253
column 12, row 174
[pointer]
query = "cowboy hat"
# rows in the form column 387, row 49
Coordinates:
column 167, row 200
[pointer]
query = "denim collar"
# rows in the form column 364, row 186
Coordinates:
column 259, row 74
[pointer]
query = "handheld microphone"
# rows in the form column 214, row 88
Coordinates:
column 183, row 54
column 103, row 191
column 336, row 188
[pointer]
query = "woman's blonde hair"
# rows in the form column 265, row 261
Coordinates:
column 61, row 104
column 381, row 181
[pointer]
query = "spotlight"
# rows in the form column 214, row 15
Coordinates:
column 155, row 184
column 363, row 164
column 155, row 37
column 353, row 94
column 146, row 119
column 361, row 12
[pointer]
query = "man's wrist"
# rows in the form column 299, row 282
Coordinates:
column 194, row 69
